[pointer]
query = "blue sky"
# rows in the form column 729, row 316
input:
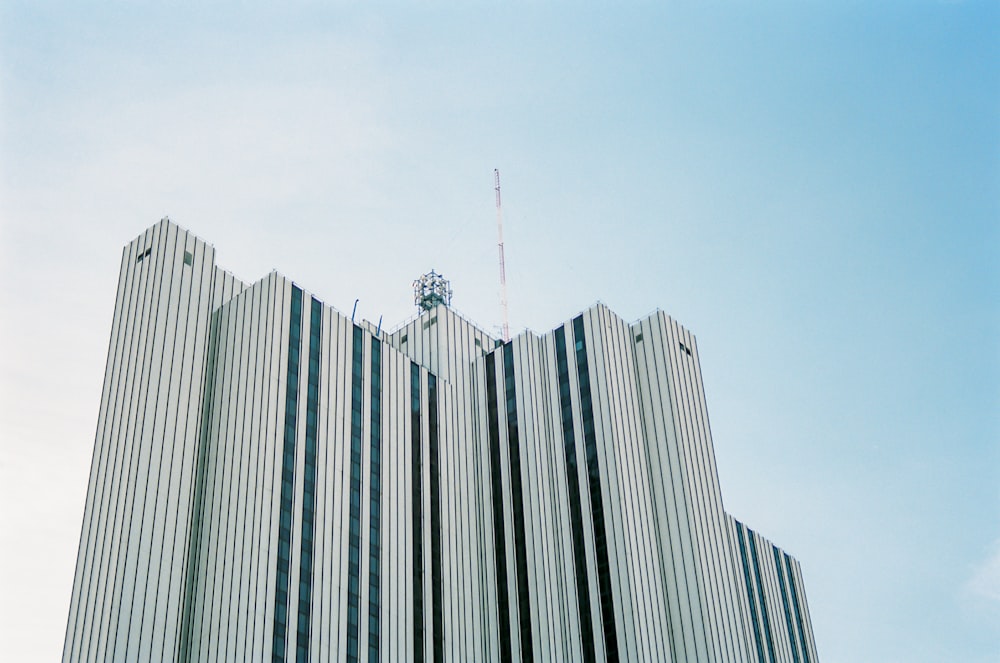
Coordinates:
column 812, row 188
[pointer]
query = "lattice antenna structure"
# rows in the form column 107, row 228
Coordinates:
column 503, row 271
column 430, row 290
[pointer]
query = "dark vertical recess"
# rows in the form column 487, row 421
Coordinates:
column 760, row 593
column 750, row 593
column 197, row 513
column 596, row 501
column 798, row 610
column 517, row 498
column 784, row 603
column 309, row 485
column 496, row 492
column 354, row 533
column 417, row 500
column 375, row 524
column 576, row 512
column 437, row 614
column 287, row 479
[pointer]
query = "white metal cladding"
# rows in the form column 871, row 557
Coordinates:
column 179, row 552
column 132, row 563
column 234, row 453
column 694, row 542
column 238, row 513
column 447, row 345
column 639, row 568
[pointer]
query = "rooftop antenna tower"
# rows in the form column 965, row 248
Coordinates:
column 503, row 271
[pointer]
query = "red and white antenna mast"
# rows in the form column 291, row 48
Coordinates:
column 503, row 272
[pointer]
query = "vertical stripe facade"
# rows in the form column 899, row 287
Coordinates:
column 752, row 596
column 354, row 537
column 784, row 603
column 272, row 480
column 573, row 490
column 278, row 646
column 596, row 498
column 703, row 597
column 517, row 505
column 306, row 566
column 375, row 506
column 497, row 502
column 434, row 477
column 772, row 579
column 329, row 365
column 132, row 562
column 417, row 474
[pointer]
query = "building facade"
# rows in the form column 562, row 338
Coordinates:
column 272, row 481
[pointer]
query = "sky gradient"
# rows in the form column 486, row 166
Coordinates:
column 812, row 188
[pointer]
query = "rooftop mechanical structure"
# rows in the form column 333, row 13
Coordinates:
column 431, row 290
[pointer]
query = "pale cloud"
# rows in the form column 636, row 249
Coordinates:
column 985, row 580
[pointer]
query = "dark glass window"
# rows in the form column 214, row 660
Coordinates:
column 280, row 630
column 596, row 501
column 309, row 483
column 417, row 500
column 375, row 558
column 784, row 602
column 798, row 610
column 437, row 616
column 517, row 497
column 749, row 580
column 354, row 534
column 760, row 593
column 496, row 490
column 573, row 487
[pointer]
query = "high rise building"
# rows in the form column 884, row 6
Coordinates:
column 272, row 481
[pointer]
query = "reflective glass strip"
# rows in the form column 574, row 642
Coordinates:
column 280, row 631
column 760, row 592
column 576, row 512
column 354, row 532
column 784, row 602
column 517, row 497
column 749, row 580
column 375, row 524
column 496, row 488
column 437, row 614
column 798, row 610
column 596, row 501
column 309, row 485
column 417, row 500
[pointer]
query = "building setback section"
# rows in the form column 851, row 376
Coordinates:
column 273, row 482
